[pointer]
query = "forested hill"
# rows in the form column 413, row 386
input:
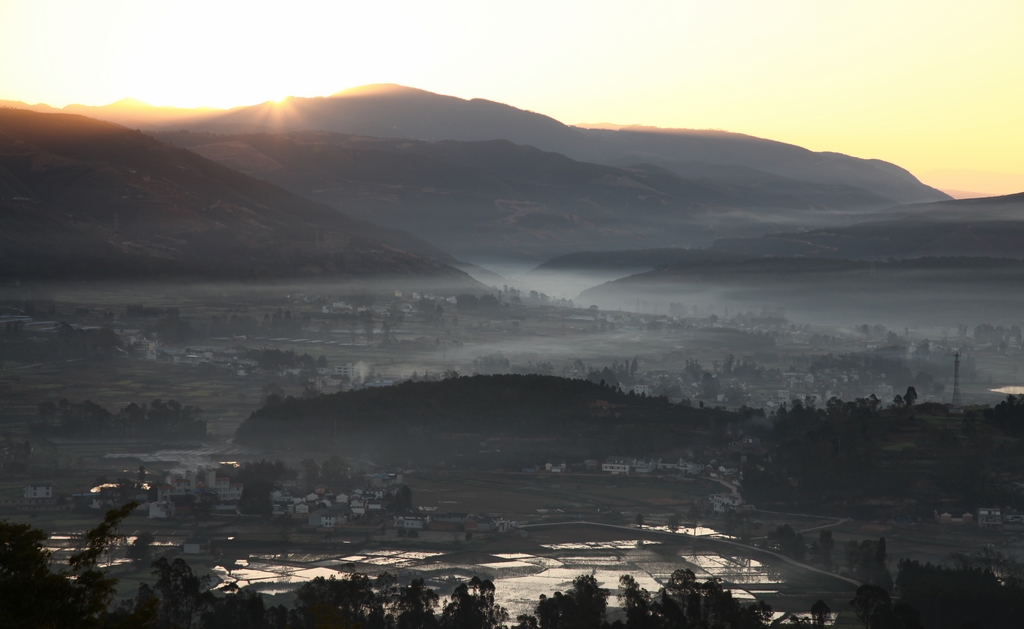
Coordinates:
column 85, row 199
column 427, row 419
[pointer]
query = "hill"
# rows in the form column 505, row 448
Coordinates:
column 417, row 422
column 634, row 260
column 401, row 112
column 572, row 273
column 86, row 199
column 493, row 199
column 991, row 226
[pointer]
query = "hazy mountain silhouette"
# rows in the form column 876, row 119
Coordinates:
column 401, row 112
column 992, row 227
column 129, row 112
column 81, row 198
column 927, row 290
column 495, row 199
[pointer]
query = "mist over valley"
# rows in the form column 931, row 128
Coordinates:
column 396, row 359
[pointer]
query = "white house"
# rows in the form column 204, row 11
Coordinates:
column 418, row 522
column 725, row 502
column 322, row 519
column 645, row 467
column 349, row 370
column 163, row 509
column 617, row 466
column 990, row 517
column 39, row 490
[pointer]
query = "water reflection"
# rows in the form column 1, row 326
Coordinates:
column 520, row 578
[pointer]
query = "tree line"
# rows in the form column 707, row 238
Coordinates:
column 165, row 419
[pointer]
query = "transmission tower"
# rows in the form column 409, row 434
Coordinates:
column 957, row 404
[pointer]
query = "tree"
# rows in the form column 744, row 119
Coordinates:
column 709, row 386
column 694, row 515
column 871, row 603
column 310, row 473
column 402, row 501
column 472, row 606
column 255, row 498
column 910, row 397
column 309, row 390
column 867, row 562
column 184, row 596
column 820, row 613
column 415, row 606
column 788, row 541
column 244, row 610
column 636, row 602
column 34, row 594
column 825, row 547
column 673, row 522
column 591, row 601
column 582, row 607
column 139, row 550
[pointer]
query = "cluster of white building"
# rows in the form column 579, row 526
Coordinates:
column 627, row 465
column 986, row 518
column 455, row 522
column 203, row 481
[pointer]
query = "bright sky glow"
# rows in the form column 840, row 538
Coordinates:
column 936, row 86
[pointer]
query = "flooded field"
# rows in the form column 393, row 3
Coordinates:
column 520, row 578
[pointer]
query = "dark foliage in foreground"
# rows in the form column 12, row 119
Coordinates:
column 950, row 597
column 181, row 599
column 34, row 593
column 987, row 591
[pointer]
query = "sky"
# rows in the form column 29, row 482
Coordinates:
column 936, row 86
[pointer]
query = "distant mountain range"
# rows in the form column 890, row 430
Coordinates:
column 934, row 262
column 86, row 199
column 394, row 111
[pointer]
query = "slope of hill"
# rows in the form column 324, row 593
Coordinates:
column 572, row 273
column 421, row 422
column 81, row 198
column 401, row 112
column 492, row 199
column 991, row 226
column 631, row 259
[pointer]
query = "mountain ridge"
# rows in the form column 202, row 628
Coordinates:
column 83, row 199
column 388, row 110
